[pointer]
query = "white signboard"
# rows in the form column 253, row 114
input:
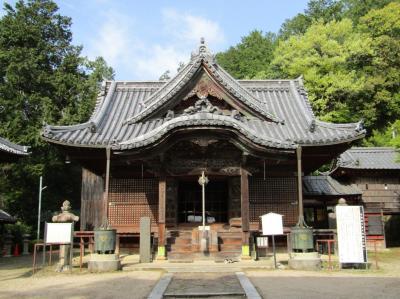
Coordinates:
column 58, row 233
column 351, row 234
column 272, row 224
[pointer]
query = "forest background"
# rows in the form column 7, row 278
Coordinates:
column 347, row 52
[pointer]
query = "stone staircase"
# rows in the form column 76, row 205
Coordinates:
column 179, row 246
column 229, row 245
column 183, row 245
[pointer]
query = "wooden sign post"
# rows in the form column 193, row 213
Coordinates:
column 271, row 226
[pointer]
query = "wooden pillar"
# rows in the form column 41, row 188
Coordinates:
column 244, row 190
column 162, row 191
column 107, row 186
column 301, row 221
column 92, row 200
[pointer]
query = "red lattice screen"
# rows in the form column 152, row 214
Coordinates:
column 130, row 199
column 276, row 195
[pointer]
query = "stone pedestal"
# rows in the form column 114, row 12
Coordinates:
column 305, row 261
column 64, row 263
column 104, row 263
column 7, row 245
column 26, row 244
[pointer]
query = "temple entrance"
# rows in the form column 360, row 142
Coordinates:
column 189, row 202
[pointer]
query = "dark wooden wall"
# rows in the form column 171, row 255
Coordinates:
column 379, row 192
column 234, row 197
column 92, row 200
column 171, row 215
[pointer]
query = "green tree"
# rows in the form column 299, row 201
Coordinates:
column 351, row 72
column 325, row 56
column 355, row 9
column 326, row 11
column 317, row 10
column 251, row 56
column 388, row 137
column 43, row 79
column 383, row 70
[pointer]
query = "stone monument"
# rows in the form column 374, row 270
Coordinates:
column 65, row 216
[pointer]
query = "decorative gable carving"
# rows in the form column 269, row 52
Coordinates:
column 205, row 87
column 202, row 105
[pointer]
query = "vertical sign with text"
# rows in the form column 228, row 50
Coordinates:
column 351, row 234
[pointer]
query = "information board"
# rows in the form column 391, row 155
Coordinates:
column 58, row 233
column 272, row 224
column 351, row 234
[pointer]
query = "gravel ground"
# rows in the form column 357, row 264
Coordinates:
column 310, row 287
column 16, row 281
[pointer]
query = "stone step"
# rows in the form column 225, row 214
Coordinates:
column 179, row 257
column 179, row 241
column 181, row 247
column 230, row 247
column 180, row 234
column 230, row 240
column 227, row 257
column 229, row 233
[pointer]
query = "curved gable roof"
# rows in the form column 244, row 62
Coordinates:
column 206, row 61
column 126, row 113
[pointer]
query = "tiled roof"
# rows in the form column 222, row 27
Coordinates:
column 6, row 218
column 370, row 158
column 8, row 147
column 326, row 185
column 125, row 116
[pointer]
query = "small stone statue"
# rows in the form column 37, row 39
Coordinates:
column 65, row 215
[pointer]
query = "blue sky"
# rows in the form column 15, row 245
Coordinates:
column 142, row 39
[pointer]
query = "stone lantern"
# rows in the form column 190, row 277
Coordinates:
column 65, row 216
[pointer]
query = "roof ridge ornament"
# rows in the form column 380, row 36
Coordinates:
column 360, row 126
column 202, row 47
column 204, row 52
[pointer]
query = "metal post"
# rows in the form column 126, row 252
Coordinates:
column 107, row 184
column 273, row 248
column 329, row 255
column 40, row 206
column 203, row 180
column 203, row 195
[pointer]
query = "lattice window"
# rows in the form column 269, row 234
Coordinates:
column 278, row 195
column 137, row 191
column 130, row 199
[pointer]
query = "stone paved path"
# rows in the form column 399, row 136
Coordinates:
column 223, row 285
